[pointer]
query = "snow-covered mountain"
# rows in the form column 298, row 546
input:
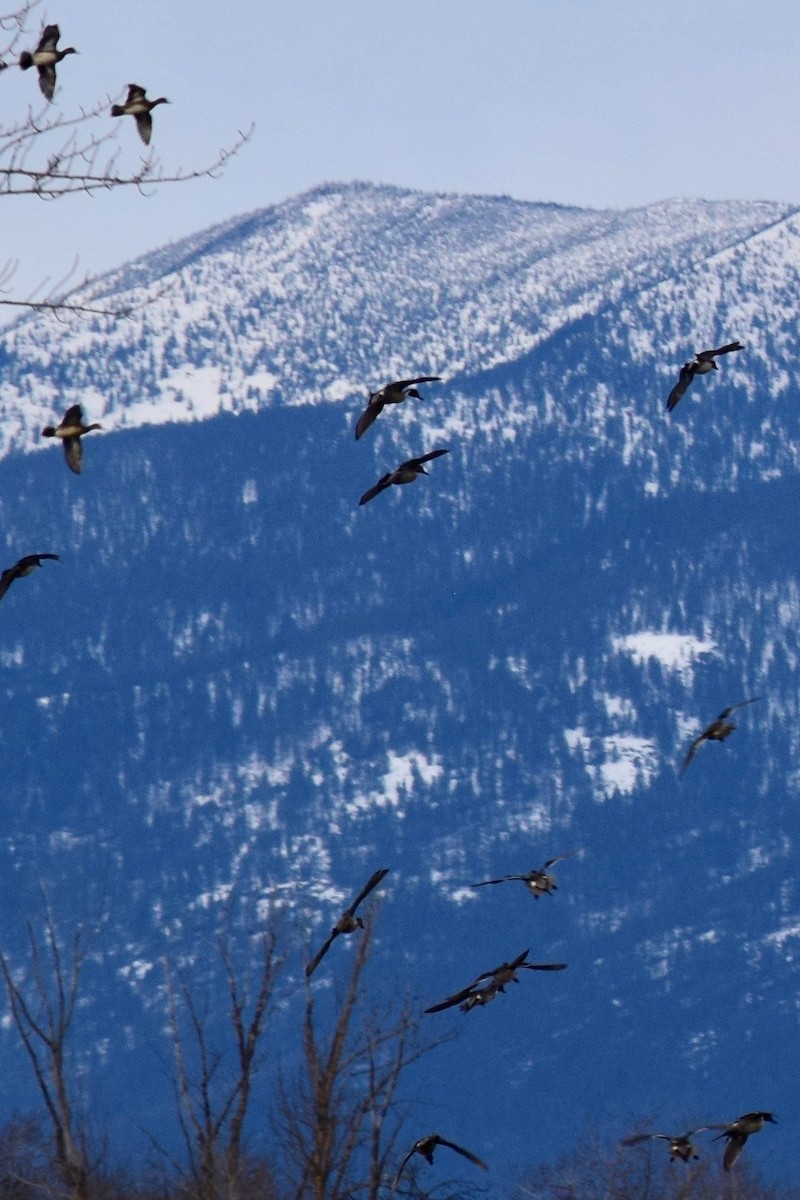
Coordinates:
column 238, row 681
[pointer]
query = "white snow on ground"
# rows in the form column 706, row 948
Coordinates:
column 675, row 651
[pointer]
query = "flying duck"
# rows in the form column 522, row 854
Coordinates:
column 44, row 58
column 474, row 995
column 717, row 731
column 71, row 430
column 680, row 1145
column 538, row 883
column 701, row 364
column 390, row 393
column 137, row 105
column 348, row 922
column 25, row 566
column 739, row 1131
column 407, row 472
column 426, row 1146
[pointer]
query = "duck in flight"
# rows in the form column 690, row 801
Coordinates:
column 719, row 729
column 426, row 1146
column 739, row 1131
column 391, row 393
column 71, row 429
column 476, row 994
column 539, row 883
column 680, row 1145
column 348, row 922
column 701, row 364
column 407, row 472
column 44, row 58
column 138, row 106
column 25, row 566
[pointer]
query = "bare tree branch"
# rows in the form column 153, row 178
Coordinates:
column 42, row 1010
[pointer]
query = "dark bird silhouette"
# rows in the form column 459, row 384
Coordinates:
column 71, row 430
column 539, row 883
column 426, row 1146
column 25, row 566
column 44, row 58
column 391, row 393
column 137, row 105
column 701, row 364
column 680, row 1145
column 739, row 1131
column 348, row 922
column 407, row 472
column 719, row 729
column 475, row 995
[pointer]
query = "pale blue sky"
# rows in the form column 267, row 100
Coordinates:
column 588, row 102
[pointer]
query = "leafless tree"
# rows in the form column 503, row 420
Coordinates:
column 42, row 997
column 48, row 154
column 213, row 1089
column 338, row 1124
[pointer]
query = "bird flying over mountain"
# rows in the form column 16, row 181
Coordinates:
column 426, row 1146
column 701, row 364
column 71, row 429
column 719, row 729
column 348, row 922
column 476, row 994
column 407, row 472
column 739, row 1131
column 538, row 882
column 680, row 1144
column 25, row 566
column 391, row 393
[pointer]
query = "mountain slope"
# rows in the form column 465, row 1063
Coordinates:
column 239, row 683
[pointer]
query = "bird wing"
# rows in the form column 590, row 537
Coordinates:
column 452, row 1001
column 402, row 1166
column 367, row 888
column 423, row 458
column 47, row 80
column 510, row 966
column 542, row 966
column 708, row 355
column 34, row 560
column 49, row 38
column 690, row 753
column 369, row 415
column 73, row 452
column 733, row 1149
column 73, row 416
column 7, row 578
column 135, row 92
column 383, row 483
column 144, row 123
column 463, row 1152
column 644, row 1137
column 406, row 383
column 684, row 379
column 323, row 950
column 504, row 879
column 726, row 712
column 551, row 862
